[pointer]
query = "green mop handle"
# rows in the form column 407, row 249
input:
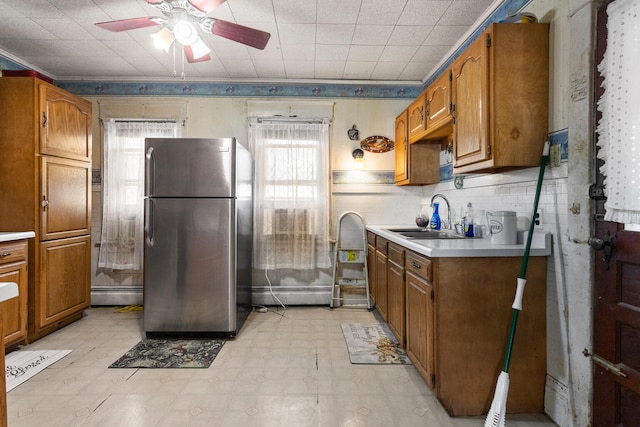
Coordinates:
column 517, row 303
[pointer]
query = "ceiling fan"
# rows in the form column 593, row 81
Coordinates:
column 181, row 22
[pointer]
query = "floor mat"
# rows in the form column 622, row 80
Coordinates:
column 373, row 343
column 22, row 365
column 170, row 353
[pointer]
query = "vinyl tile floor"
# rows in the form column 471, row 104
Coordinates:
column 284, row 369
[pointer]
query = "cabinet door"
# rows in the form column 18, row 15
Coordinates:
column 420, row 328
column 395, row 300
column 13, row 268
column 65, row 276
column 381, row 284
column 417, row 117
column 471, row 104
column 65, row 124
column 438, row 99
column 371, row 266
column 401, row 148
column 65, row 199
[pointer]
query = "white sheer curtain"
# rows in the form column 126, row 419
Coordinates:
column 291, row 197
column 121, row 241
column 619, row 127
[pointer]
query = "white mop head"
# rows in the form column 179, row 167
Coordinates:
column 495, row 417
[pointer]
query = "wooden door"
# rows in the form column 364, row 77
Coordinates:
column 417, row 117
column 371, row 266
column 381, row 284
column 13, row 268
column 65, row 280
column 65, row 198
column 419, row 333
column 65, row 123
column 395, row 291
column 401, row 148
column 471, row 104
column 439, row 104
column 616, row 341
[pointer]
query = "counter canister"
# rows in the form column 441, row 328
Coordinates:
column 502, row 227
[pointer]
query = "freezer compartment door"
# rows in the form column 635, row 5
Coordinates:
column 184, row 167
column 190, row 265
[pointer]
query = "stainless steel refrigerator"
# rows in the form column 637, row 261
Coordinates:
column 198, row 236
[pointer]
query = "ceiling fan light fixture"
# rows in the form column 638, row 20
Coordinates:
column 163, row 39
column 185, row 32
column 199, row 48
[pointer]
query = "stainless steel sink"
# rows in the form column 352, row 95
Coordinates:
column 425, row 233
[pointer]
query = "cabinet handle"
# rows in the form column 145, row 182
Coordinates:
column 44, row 120
column 416, row 265
column 6, row 254
column 45, row 203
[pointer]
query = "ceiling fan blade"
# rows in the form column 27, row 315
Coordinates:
column 240, row 33
column 188, row 53
column 129, row 24
column 205, row 5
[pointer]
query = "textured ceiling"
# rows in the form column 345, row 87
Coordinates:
column 376, row 40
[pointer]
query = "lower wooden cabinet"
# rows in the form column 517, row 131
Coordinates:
column 381, row 277
column 63, row 288
column 13, row 268
column 395, row 291
column 453, row 316
column 420, row 316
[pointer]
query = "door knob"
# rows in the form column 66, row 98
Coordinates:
column 604, row 244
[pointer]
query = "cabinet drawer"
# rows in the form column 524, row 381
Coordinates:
column 419, row 265
column 12, row 252
column 381, row 244
column 371, row 238
column 395, row 253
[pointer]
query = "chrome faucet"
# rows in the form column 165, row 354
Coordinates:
column 449, row 225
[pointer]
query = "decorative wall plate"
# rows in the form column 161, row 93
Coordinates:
column 377, row 144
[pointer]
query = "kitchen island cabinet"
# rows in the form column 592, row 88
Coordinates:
column 45, row 186
column 500, row 99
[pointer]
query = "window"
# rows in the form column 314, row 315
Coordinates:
column 291, row 198
column 123, row 190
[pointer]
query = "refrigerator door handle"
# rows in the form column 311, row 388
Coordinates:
column 150, row 170
column 148, row 222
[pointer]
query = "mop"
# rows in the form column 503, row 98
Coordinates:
column 496, row 415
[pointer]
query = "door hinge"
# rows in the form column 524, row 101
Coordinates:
column 433, row 379
column 489, row 150
column 596, row 192
column 488, row 41
column 432, row 296
column 450, row 76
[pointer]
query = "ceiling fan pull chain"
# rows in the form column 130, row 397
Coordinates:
column 182, row 74
column 174, row 61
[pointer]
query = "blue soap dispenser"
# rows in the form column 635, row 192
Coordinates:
column 435, row 222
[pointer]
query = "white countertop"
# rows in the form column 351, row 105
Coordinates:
column 7, row 236
column 541, row 244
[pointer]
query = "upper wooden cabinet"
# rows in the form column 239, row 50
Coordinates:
column 416, row 164
column 429, row 115
column 417, row 118
column 65, row 123
column 438, row 97
column 500, row 99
